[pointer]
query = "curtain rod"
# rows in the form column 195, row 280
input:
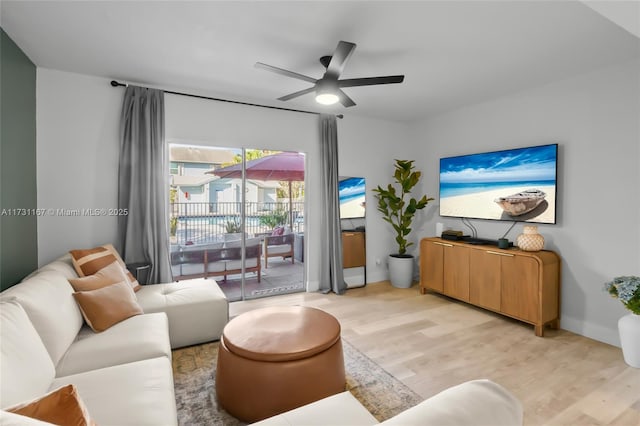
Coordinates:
column 116, row 84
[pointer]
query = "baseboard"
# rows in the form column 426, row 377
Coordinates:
column 590, row 330
column 377, row 277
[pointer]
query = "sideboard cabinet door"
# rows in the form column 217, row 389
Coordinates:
column 520, row 293
column 484, row 280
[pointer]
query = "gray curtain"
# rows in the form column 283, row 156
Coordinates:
column 142, row 182
column 331, row 273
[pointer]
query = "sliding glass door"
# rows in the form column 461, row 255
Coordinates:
column 237, row 216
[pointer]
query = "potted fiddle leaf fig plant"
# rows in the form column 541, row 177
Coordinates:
column 398, row 208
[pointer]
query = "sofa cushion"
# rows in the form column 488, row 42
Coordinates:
column 277, row 249
column 341, row 409
column 108, row 305
column 233, row 265
column 12, row 419
column 201, row 247
column 218, row 266
column 62, row 406
column 137, row 393
column 192, row 268
column 249, row 242
column 110, row 274
column 477, row 402
column 63, row 266
column 197, row 309
column 25, row 366
column 140, row 337
column 46, row 297
column 89, row 261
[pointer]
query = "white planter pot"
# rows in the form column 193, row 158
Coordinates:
column 401, row 271
column 629, row 329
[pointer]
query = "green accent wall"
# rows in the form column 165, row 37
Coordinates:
column 18, row 231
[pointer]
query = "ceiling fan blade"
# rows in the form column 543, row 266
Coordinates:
column 285, row 72
column 370, row 81
column 296, row 94
column 345, row 100
column 339, row 59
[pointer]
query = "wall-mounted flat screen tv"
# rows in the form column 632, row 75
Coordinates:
column 351, row 192
column 514, row 184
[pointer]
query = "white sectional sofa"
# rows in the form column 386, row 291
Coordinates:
column 473, row 403
column 123, row 374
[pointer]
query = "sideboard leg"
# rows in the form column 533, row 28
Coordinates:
column 539, row 328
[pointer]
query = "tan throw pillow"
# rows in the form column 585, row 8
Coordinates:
column 62, row 406
column 108, row 305
column 108, row 275
column 89, row 261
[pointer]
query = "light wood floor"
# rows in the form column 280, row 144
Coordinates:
column 430, row 343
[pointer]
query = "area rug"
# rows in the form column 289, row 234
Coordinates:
column 194, row 376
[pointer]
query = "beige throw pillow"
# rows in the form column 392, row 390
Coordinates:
column 108, row 275
column 62, row 406
column 108, row 305
column 89, row 261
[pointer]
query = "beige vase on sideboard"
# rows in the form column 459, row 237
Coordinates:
column 530, row 239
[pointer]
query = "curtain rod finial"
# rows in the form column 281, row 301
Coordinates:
column 340, row 116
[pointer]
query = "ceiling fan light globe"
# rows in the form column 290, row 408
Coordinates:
column 327, row 98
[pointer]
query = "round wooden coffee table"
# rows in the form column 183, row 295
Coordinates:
column 274, row 359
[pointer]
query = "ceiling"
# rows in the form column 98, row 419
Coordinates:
column 453, row 53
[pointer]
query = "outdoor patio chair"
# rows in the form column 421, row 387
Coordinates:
column 278, row 245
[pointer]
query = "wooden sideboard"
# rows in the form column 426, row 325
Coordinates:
column 519, row 284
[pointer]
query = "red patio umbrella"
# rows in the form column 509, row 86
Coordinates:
column 283, row 166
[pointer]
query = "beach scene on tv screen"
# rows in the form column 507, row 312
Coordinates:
column 517, row 184
column 351, row 192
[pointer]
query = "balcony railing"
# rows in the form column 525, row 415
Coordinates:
column 207, row 222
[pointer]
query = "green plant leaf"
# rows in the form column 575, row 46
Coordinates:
column 274, row 218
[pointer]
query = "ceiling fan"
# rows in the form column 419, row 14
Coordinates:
column 329, row 88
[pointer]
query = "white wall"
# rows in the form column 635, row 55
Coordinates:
column 595, row 119
column 367, row 148
column 77, row 119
